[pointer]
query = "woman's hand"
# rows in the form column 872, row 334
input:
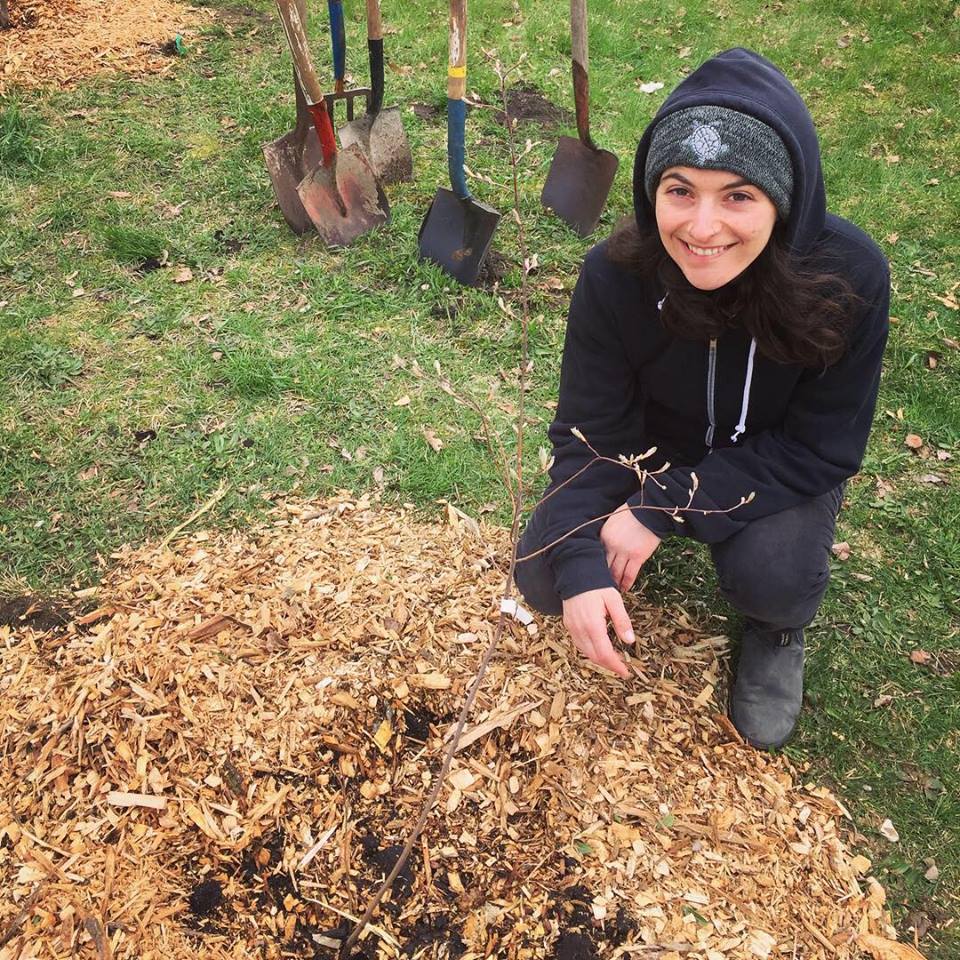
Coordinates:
column 585, row 616
column 629, row 544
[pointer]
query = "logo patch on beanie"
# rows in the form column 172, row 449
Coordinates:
column 705, row 141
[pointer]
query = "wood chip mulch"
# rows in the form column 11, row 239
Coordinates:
column 223, row 759
column 58, row 42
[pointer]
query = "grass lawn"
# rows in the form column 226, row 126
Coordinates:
column 257, row 364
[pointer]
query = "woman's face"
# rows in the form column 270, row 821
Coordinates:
column 713, row 223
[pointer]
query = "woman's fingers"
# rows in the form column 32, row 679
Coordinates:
column 586, row 617
column 629, row 576
column 620, row 619
column 618, row 564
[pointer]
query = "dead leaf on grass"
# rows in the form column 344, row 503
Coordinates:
column 841, row 550
column 920, row 657
column 914, row 441
column 888, row 830
column 931, row 478
column 436, row 444
column 183, row 275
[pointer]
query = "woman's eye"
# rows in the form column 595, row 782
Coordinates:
column 678, row 192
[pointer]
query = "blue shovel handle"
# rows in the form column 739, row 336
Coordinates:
column 338, row 38
column 456, row 149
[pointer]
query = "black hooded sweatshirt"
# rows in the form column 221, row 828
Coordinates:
column 743, row 423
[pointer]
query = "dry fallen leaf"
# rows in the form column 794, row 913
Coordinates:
column 933, row 871
column 183, row 275
column 888, row 830
column 841, row 550
column 913, row 441
column 919, row 657
column 652, row 87
column 880, row 948
column 435, row 442
column 931, row 478
column 402, row 401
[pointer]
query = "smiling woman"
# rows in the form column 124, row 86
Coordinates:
column 736, row 327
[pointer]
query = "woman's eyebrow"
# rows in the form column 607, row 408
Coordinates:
column 740, row 182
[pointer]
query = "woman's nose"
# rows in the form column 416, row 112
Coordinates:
column 705, row 223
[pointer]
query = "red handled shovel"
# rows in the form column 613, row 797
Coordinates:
column 341, row 195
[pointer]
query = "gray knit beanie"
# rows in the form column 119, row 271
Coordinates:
column 717, row 138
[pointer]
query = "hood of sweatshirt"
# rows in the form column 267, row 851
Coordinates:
column 743, row 80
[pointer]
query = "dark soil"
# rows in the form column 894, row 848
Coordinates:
column 32, row 612
column 206, row 898
column 428, row 111
column 493, row 269
column 575, row 946
column 527, row 104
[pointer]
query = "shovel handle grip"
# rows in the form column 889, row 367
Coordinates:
column 324, row 128
column 297, row 40
column 338, row 38
column 456, row 107
column 375, row 50
column 581, row 86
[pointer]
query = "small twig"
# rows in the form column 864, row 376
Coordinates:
column 516, row 495
column 621, row 509
column 379, row 931
column 17, row 922
column 199, row 512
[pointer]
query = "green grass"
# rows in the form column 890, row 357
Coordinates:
column 130, row 398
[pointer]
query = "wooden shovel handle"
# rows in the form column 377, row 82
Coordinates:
column 374, row 23
column 456, row 107
column 457, row 63
column 581, row 86
column 297, row 41
column 375, row 52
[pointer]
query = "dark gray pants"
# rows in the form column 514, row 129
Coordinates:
column 774, row 571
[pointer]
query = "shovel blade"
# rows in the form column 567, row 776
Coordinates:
column 382, row 138
column 578, row 183
column 456, row 235
column 345, row 200
column 288, row 161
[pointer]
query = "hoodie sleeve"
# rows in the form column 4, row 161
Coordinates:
column 820, row 443
column 597, row 396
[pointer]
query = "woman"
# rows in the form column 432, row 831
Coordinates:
column 737, row 327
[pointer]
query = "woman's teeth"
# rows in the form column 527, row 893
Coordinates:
column 705, row 251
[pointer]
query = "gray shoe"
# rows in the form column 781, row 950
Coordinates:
column 768, row 691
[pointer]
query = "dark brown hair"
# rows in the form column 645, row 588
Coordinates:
column 797, row 315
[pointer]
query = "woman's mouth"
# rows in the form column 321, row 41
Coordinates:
column 706, row 252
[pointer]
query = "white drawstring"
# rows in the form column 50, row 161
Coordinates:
column 742, row 425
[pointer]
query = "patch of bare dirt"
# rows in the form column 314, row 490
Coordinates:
column 58, row 42
column 527, row 104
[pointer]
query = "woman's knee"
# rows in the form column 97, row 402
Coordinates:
column 534, row 577
column 779, row 596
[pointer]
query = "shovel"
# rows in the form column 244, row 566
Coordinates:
column 290, row 157
column 341, row 195
column 338, row 39
column 380, row 132
column 457, row 230
column 580, row 174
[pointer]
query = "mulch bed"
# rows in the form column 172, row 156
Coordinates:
column 223, row 759
column 58, row 42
